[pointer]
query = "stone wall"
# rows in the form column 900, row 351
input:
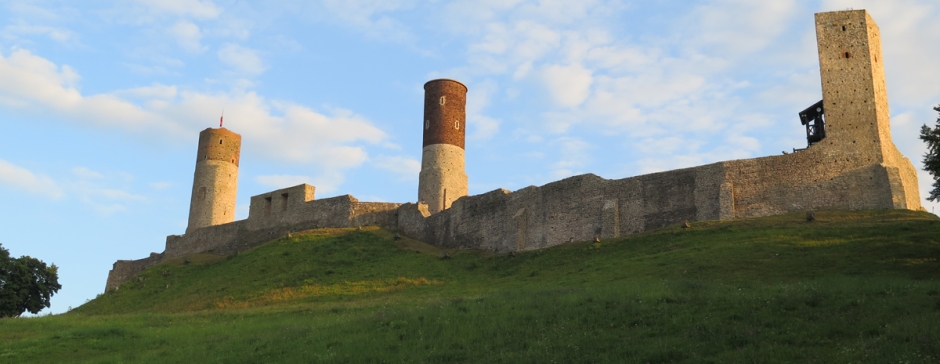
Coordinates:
column 856, row 166
column 574, row 209
column 271, row 215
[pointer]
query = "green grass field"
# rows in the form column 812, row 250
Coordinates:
column 851, row 287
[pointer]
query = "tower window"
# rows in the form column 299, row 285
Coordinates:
column 457, row 124
column 202, row 194
column 843, row 28
column 427, row 124
column 443, row 100
column 848, row 55
column 220, row 141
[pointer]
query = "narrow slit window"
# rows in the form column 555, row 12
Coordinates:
column 443, row 100
column 220, row 141
column 848, row 55
column 457, row 124
column 427, row 124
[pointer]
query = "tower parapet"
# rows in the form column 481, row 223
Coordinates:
column 443, row 177
column 215, row 181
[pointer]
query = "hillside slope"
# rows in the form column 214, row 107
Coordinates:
column 850, row 286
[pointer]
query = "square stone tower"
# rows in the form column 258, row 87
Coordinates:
column 855, row 99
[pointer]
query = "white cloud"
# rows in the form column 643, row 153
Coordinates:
column 406, row 168
column 187, row 35
column 568, row 85
column 32, row 82
column 20, row 178
column 108, row 209
column 280, row 181
column 85, row 173
column 60, row 35
column 156, row 91
column 120, row 195
column 483, row 127
column 741, row 26
column 200, row 9
column 161, row 185
column 243, row 59
column 574, row 156
column 369, row 17
column 278, row 130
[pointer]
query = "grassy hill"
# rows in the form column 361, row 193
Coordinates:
column 848, row 287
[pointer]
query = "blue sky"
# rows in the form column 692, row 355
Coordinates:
column 101, row 103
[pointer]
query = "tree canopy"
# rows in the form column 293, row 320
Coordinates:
column 931, row 136
column 26, row 284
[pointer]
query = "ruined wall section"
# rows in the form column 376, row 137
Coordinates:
column 124, row 270
column 296, row 207
column 271, row 215
column 806, row 180
column 578, row 208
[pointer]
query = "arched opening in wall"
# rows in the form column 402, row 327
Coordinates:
column 220, row 141
column 847, row 55
column 202, row 194
column 267, row 206
column 443, row 100
column 283, row 202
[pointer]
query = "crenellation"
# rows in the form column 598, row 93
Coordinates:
column 854, row 166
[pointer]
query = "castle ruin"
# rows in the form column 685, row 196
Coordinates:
column 851, row 163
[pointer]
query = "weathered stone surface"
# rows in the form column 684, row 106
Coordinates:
column 443, row 177
column 271, row 215
column 215, row 180
column 856, row 166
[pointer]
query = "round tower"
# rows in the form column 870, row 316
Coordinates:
column 215, row 181
column 443, row 177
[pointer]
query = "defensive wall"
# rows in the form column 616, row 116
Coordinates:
column 271, row 215
column 851, row 163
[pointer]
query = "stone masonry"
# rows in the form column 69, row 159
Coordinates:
column 443, row 177
column 215, row 181
column 856, row 166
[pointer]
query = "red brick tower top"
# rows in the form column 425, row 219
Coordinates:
column 445, row 112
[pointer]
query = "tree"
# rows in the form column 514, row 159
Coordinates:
column 26, row 284
column 931, row 136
